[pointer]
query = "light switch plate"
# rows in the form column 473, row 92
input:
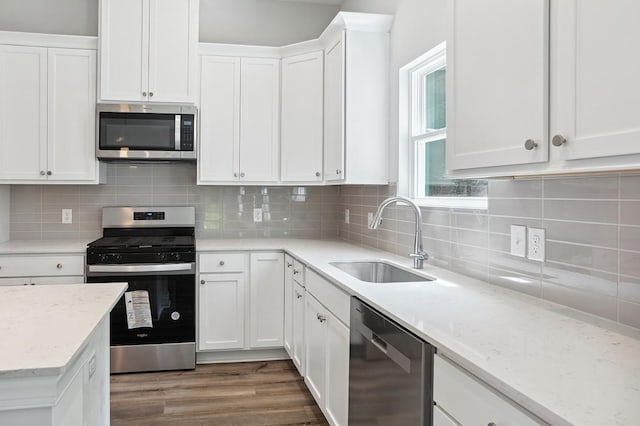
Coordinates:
column 257, row 214
column 519, row 240
column 67, row 216
column 536, row 244
column 346, row 216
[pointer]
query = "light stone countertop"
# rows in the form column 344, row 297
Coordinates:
column 43, row 328
column 567, row 367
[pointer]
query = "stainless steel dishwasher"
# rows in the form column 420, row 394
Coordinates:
column 390, row 372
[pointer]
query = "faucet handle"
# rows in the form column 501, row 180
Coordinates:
column 420, row 255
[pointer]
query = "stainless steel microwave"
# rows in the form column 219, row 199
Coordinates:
column 146, row 132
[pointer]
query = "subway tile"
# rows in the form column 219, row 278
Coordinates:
column 630, row 264
column 629, row 313
column 582, row 210
column 25, row 235
column 630, row 238
column 582, row 233
column 630, row 212
column 435, row 217
column 517, row 265
column 581, row 279
column 502, row 225
column 596, row 304
column 602, row 259
column 515, row 188
column 500, row 243
column 630, row 187
column 468, row 237
column 512, row 280
column 529, row 208
column 476, row 222
column 469, row 254
column 436, row 232
column 590, row 187
column 629, row 288
column 471, row 269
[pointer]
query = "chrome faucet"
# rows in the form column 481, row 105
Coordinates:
column 419, row 256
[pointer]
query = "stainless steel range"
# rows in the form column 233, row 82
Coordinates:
column 153, row 249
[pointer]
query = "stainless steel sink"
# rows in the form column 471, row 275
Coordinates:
column 379, row 272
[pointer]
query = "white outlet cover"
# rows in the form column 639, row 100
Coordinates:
column 67, row 216
column 257, row 214
column 536, row 241
column 519, row 240
column 346, row 216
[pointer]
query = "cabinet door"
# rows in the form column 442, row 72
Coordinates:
column 78, row 279
column 71, row 123
column 15, row 281
column 594, row 77
column 302, row 125
column 221, row 311
column 315, row 332
column 23, row 112
column 173, row 39
column 337, row 374
column 298, row 328
column 288, row 304
column 219, row 158
column 440, row 418
column 267, row 299
column 497, row 83
column 260, row 123
column 334, row 90
column 124, row 50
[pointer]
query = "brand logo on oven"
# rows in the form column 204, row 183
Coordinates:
column 142, row 335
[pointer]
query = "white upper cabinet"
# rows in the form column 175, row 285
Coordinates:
column 497, row 81
column 148, row 50
column 240, row 120
column 356, row 111
column 497, row 87
column 47, row 109
column 302, row 118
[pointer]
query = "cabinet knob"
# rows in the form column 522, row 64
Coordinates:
column 202, row 282
column 298, row 295
column 317, row 174
column 221, row 263
column 558, row 140
column 33, row 283
column 42, row 173
column 296, row 272
column 59, row 266
column 235, row 175
column 530, row 144
column 49, row 173
column 289, row 265
column 144, row 94
column 322, row 318
column 242, row 174
column 151, row 94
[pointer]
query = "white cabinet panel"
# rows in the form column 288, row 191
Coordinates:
column 497, row 83
column 41, row 265
column 337, row 375
column 260, row 123
column 302, row 118
column 78, row 279
column 71, row 106
column 267, row 299
column 315, row 333
column 219, row 158
column 594, row 78
column 124, row 49
column 334, row 102
column 288, row 305
column 298, row 327
column 23, row 112
column 221, row 311
column 440, row 418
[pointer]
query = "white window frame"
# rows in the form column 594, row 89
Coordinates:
column 413, row 138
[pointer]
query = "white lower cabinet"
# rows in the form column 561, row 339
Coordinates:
column 288, row 305
column 315, row 332
column 462, row 399
column 337, row 371
column 297, row 327
column 41, row 269
column 240, row 301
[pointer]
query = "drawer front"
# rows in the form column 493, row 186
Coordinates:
column 334, row 299
column 223, row 262
column 469, row 401
column 36, row 266
column 299, row 272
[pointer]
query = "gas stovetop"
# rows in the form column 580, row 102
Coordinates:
column 141, row 241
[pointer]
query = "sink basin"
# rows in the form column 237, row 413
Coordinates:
column 379, row 272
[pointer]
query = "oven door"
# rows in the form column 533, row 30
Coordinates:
column 171, row 292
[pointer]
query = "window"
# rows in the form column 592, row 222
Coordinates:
column 427, row 133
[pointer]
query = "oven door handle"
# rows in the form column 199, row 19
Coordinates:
column 169, row 267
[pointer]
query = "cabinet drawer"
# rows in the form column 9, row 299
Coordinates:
column 223, row 262
column 299, row 271
column 470, row 401
column 334, row 299
column 36, row 265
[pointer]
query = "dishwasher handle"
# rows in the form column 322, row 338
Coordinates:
column 390, row 351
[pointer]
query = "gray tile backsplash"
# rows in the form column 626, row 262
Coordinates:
column 227, row 212
column 592, row 227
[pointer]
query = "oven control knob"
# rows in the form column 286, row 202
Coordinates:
column 162, row 257
column 117, row 258
column 176, row 256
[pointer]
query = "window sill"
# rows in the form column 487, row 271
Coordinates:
column 471, row 203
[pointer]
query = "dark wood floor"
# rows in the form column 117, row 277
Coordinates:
column 254, row 393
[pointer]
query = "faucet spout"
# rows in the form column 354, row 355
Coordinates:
column 418, row 255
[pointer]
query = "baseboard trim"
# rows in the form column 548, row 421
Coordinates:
column 216, row 357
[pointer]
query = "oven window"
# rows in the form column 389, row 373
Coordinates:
column 137, row 131
column 172, row 303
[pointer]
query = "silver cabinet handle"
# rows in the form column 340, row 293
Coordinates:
column 317, row 174
column 322, row 318
column 59, row 266
column 298, row 295
column 49, row 173
column 530, row 144
column 221, row 263
column 144, row 94
column 493, row 423
column 289, row 265
column 558, row 140
column 242, row 174
column 42, row 173
column 296, row 272
column 150, row 94
column 202, row 282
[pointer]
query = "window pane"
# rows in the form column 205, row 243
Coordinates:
column 436, row 185
column 434, row 100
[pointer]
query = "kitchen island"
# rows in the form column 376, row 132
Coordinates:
column 54, row 362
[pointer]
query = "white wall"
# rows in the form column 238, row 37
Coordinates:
column 418, row 26
column 260, row 22
column 4, row 212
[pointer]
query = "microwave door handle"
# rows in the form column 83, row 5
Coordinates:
column 178, row 131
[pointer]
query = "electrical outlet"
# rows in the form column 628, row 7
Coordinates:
column 67, row 216
column 370, row 219
column 346, row 216
column 536, row 244
column 257, row 214
column 518, row 240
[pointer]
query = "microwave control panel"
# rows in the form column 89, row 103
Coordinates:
column 186, row 133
